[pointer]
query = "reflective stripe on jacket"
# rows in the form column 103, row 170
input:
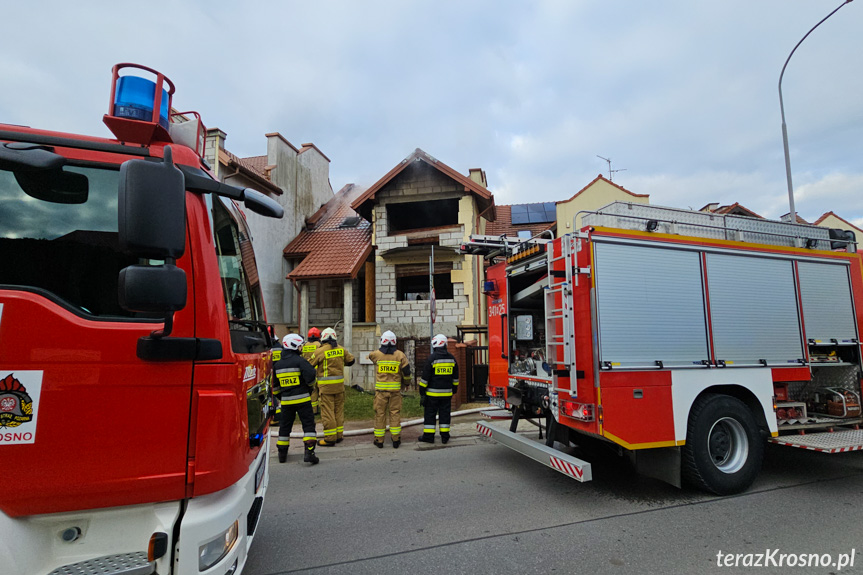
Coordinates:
column 330, row 362
column 390, row 369
column 294, row 377
column 440, row 374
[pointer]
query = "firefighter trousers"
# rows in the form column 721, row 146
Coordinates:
column 388, row 408
column 439, row 408
column 333, row 415
column 307, row 419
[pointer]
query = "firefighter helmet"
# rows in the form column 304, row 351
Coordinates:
column 388, row 338
column 439, row 340
column 292, row 341
column 314, row 332
column 328, row 333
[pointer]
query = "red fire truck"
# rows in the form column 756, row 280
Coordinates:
column 685, row 340
column 134, row 362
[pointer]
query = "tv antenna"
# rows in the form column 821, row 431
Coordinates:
column 610, row 171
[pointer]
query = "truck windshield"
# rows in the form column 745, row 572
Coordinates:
column 58, row 237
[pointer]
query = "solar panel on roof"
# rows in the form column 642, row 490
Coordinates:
column 519, row 214
column 541, row 212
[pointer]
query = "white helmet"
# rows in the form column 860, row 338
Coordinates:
column 439, row 340
column 328, row 333
column 388, row 338
column 292, row 341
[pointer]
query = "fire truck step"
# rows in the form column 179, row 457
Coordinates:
column 836, row 442
column 548, row 456
column 496, row 414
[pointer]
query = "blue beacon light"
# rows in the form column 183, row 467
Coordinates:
column 134, row 98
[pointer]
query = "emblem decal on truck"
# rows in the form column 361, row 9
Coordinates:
column 19, row 401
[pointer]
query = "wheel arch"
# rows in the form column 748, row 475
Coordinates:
column 743, row 394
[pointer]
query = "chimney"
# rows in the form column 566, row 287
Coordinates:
column 478, row 176
column 281, row 161
column 215, row 142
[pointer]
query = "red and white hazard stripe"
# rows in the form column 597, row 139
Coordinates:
column 566, row 467
column 483, row 429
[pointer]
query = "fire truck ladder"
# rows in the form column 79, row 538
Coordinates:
column 561, row 314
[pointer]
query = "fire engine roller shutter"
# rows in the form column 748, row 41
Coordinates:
column 753, row 310
column 650, row 306
column 825, row 289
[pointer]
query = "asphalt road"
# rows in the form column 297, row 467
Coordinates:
column 477, row 507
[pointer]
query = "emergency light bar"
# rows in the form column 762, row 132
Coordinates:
column 134, row 98
column 139, row 107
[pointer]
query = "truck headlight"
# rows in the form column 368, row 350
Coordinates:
column 216, row 548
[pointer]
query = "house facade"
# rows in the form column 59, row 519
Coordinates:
column 363, row 263
column 598, row 193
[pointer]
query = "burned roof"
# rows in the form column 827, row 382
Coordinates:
column 335, row 243
column 485, row 200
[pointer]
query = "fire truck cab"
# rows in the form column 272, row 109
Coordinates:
column 134, row 354
column 685, row 340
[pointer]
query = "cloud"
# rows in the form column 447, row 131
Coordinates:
column 682, row 95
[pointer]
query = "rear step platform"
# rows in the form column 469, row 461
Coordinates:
column 550, row 457
column 496, row 414
column 826, row 442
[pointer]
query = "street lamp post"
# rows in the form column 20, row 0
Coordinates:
column 782, row 111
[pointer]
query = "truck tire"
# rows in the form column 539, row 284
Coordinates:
column 724, row 448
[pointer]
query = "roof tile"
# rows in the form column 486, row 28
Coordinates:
column 327, row 250
column 503, row 226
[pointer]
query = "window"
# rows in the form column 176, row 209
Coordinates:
column 412, row 282
column 419, row 215
column 58, row 236
column 240, row 283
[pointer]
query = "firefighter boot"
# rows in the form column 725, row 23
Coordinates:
column 444, row 438
column 396, row 443
column 309, row 455
column 426, row 438
column 283, row 455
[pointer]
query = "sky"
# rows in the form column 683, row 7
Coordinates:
column 681, row 96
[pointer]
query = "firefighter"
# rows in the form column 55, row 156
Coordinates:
column 313, row 342
column 294, row 377
column 276, row 351
column 391, row 365
column 438, row 383
column 330, row 360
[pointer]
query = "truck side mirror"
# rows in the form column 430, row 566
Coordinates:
column 261, row 204
column 152, row 225
column 152, row 288
column 152, row 209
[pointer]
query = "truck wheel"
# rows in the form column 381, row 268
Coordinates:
column 724, row 449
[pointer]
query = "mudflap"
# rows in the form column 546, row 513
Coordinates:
column 661, row 463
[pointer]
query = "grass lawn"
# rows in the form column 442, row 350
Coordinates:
column 361, row 405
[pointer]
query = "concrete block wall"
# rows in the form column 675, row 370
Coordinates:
column 366, row 339
column 322, row 317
